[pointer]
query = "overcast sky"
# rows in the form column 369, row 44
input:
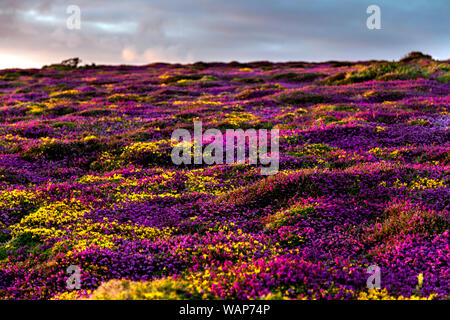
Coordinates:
column 34, row 32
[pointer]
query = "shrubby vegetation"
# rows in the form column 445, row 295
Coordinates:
column 86, row 179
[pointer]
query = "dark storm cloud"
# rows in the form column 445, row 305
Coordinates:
column 138, row 31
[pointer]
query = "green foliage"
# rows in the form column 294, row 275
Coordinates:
column 163, row 289
column 289, row 216
column 445, row 78
column 57, row 149
column 94, row 112
column 123, row 97
column 298, row 77
column 24, row 240
column 377, row 71
column 149, row 153
column 383, row 71
column 401, row 219
column 300, row 97
column 174, row 79
column 248, row 80
column 418, row 122
column 334, row 78
column 4, row 237
column 14, row 74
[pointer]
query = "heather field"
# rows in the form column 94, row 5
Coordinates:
column 86, row 180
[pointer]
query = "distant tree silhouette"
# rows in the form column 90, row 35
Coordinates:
column 72, row 62
column 68, row 64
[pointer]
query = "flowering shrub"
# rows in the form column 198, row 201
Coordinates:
column 86, row 179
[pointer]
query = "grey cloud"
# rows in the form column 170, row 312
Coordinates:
column 208, row 30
